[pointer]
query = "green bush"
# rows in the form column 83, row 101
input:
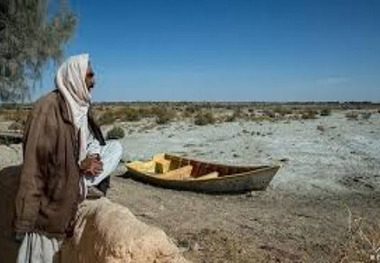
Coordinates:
column 204, row 118
column 115, row 133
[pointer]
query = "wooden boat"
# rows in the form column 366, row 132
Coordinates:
column 170, row 171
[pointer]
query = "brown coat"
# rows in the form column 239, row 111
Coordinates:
column 48, row 194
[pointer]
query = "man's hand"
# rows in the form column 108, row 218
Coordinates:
column 92, row 165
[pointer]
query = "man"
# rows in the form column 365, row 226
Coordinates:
column 64, row 152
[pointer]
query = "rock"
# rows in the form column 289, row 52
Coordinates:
column 110, row 233
column 195, row 246
column 248, row 194
column 320, row 128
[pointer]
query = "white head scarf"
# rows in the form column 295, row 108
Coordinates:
column 70, row 81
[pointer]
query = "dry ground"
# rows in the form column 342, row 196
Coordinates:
column 270, row 226
column 326, row 193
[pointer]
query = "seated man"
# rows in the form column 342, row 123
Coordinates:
column 108, row 152
column 63, row 153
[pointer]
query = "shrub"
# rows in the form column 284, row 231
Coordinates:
column 325, row 112
column 106, row 118
column 237, row 114
column 164, row 115
column 191, row 109
column 269, row 113
column 363, row 242
column 366, row 115
column 17, row 126
column 204, row 118
column 128, row 114
column 309, row 114
column 283, row 111
column 352, row 115
column 115, row 133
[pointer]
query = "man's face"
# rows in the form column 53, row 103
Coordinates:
column 90, row 80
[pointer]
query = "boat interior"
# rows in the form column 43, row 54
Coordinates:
column 174, row 167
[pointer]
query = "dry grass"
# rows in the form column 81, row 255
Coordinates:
column 325, row 112
column 366, row 115
column 204, row 118
column 352, row 115
column 363, row 242
column 309, row 114
column 283, row 111
column 269, row 113
column 16, row 114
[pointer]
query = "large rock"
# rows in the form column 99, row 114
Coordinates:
column 110, row 233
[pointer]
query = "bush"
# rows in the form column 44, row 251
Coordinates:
column 106, row 118
column 366, row 115
column 309, row 114
column 17, row 126
column 163, row 115
column 352, row 115
column 362, row 244
column 269, row 113
column 283, row 111
column 238, row 114
column 128, row 114
column 115, row 133
column 325, row 112
column 204, row 118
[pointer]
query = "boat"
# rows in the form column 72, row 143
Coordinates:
column 181, row 173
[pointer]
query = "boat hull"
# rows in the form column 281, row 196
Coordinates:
column 250, row 179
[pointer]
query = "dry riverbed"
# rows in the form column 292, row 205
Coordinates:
column 327, row 191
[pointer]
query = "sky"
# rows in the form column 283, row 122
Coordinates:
column 229, row 50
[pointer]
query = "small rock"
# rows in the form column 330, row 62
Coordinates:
column 284, row 160
column 249, row 194
column 320, row 128
column 195, row 246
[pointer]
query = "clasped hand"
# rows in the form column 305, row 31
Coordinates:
column 92, row 165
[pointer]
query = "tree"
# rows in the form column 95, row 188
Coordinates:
column 31, row 35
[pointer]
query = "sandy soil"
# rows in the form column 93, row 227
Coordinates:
column 330, row 166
